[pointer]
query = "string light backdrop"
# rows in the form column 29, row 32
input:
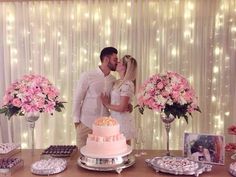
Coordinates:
column 62, row 39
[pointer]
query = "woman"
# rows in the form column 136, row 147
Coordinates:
column 121, row 96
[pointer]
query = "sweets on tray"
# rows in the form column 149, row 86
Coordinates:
column 60, row 150
column 177, row 164
column 9, row 165
column 8, row 147
column 9, row 162
column 48, row 166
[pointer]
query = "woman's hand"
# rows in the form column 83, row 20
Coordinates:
column 105, row 100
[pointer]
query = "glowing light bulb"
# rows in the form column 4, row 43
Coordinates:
column 215, row 69
column 10, row 18
column 174, row 52
column 213, row 98
column 128, row 21
column 86, row 15
column 129, row 4
column 190, row 6
column 233, row 29
column 227, row 113
column 217, row 51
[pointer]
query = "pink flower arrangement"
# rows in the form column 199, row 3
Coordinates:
column 232, row 130
column 231, row 146
column 33, row 93
column 170, row 93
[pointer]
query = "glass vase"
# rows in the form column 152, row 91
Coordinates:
column 167, row 120
column 31, row 118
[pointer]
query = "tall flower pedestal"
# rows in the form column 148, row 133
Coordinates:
column 31, row 118
column 167, row 121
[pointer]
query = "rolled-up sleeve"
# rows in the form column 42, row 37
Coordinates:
column 79, row 95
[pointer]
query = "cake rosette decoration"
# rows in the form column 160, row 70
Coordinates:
column 32, row 93
column 105, row 121
column 168, row 93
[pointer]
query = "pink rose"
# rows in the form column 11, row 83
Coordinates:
column 16, row 102
column 29, row 108
column 51, row 95
column 50, row 107
column 160, row 85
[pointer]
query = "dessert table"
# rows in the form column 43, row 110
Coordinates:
column 139, row 169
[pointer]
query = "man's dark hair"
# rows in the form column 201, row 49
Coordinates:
column 107, row 51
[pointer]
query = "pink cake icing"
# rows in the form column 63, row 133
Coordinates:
column 106, row 138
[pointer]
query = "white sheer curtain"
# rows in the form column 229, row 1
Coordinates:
column 61, row 39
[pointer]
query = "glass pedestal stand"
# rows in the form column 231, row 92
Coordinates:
column 167, row 121
column 31, row 118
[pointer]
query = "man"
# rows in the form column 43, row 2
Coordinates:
column 87, row 103
column 202, row 154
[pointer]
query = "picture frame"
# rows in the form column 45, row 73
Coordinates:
column 207, row 148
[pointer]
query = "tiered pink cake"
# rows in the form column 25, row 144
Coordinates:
column 106, row 139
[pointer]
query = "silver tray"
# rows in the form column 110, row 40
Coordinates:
column 49, row 171
column 232, row 171
column 233, row 156
column 199, row 170
column 106, row 164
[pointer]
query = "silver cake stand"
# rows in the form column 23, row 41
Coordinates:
column 110, row 163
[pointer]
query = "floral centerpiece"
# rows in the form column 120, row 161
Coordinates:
column 168, row 93
column 33, row 93
column 171, row 95
column 231, row 146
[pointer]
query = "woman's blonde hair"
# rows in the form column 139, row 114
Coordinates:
column 131, row 69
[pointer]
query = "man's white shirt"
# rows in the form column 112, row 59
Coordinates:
column 87, row 103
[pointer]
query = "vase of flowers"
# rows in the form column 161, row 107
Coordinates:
column 231, row 147
column 30, row 96
column 171, row 95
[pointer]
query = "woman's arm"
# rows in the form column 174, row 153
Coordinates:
column 122, row 107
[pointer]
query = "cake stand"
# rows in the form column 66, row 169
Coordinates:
column 116, row 162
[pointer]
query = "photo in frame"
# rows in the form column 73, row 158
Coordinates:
column 206, row 148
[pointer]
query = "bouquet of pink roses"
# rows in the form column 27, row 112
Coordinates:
column 170, row 93
column 33, row 93
column 231, row 146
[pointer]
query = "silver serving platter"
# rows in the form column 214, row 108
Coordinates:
column 233, row 156
column 117, row 163
column 232, row 171
column 49, row 171
column 158, row 168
